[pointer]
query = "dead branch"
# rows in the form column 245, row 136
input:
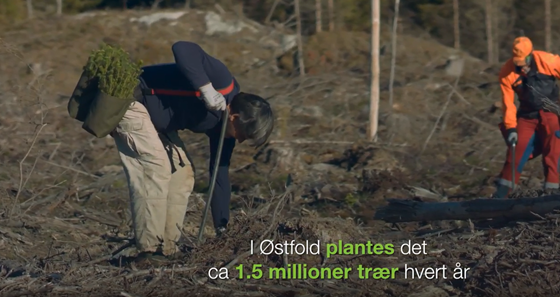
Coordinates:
column 273, row 225
column 443, row 110
column 158, row 271
column 231, row 291
column 71, row 169
column 21, row 181
column 271, row 12
column 478, row 209
column 99, row 217
column 459, row 94
column 15, row 236
column 303, row 141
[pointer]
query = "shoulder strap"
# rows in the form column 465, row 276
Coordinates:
column 148, row 91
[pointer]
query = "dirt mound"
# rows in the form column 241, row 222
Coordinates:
column 360, row 156
column 373, row 181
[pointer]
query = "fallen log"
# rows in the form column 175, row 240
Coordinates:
column 478, row 209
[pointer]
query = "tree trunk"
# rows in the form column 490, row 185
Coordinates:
column 188, row 4
column 456, row 30
column 299, row 39
column 495, row 35
column 374, row 93
column 331, row 14
column 59, row 7
column 318, row 17
column 124, row 4
column 478, row 209
column 29, row 4
column 489, row 39
column 547, row 25
column 394, row 53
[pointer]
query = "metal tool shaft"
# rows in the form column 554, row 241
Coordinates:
column 225, row 116
column 513, row 167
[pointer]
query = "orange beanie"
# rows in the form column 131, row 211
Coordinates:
column 522, row 47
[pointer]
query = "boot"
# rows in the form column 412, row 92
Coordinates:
column 501, row 192
column 155, row 258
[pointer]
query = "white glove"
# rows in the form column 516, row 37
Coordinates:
column 212, row 98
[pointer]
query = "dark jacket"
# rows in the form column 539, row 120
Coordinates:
column 192, row 69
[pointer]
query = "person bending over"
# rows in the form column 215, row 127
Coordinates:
column 188, row 94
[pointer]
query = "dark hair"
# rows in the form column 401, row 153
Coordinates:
column 256, row 119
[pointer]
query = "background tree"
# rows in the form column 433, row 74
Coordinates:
column 456, row 31
column 374, row 93
column 318, row 16
column 489, row 32
column 434, row 17
column 29, row 4
column 547, row 25
column 59, row 7
column 299, row 39
column 330, row 5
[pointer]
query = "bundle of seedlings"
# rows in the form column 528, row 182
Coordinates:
column 105, row 90
column 116, row 72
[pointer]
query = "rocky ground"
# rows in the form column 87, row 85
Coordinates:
column 65, row 212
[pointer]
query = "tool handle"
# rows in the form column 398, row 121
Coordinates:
column 225, row 116
column 512, row 167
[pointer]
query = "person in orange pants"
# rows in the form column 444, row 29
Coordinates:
column 532, row 75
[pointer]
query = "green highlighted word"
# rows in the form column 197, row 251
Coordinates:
column 302, row 271
column 367, row 248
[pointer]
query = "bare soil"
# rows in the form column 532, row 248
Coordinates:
column 64, row 209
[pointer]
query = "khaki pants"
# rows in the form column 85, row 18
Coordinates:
column 159, row 186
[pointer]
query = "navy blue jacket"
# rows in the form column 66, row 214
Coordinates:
column 192, row 69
